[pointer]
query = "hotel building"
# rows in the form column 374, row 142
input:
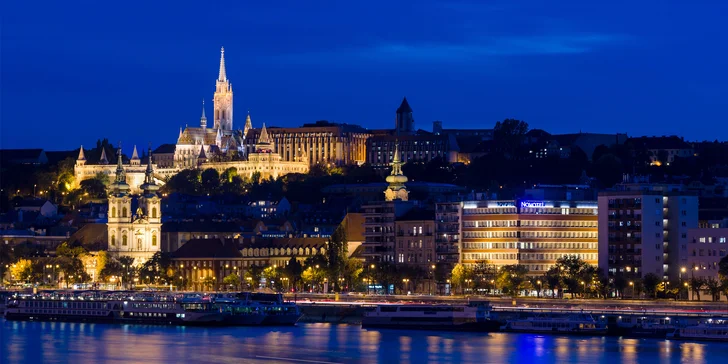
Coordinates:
column 644, row 229
column 531, row 233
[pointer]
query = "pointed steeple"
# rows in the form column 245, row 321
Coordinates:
column 222, row 76
column 120, row 187
column 135, row 161
column 203, row 118
column 263, row 136
column 149, row 187
column 404, row 107
column 103, row 159
column 248, row 123
column 81, row 156
column 135, row 154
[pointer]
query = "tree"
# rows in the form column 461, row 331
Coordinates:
column 620, row 283
column 22, row 270
column 537, row 284
column 650, row 281
column 512, row 277
column 713, row 286
column 231, row 280
column 293, row 271
column 571, row 268
column 461, row 273
column 337, row 250
column 208, row 282
column 93, row 187
column 723, row 267
column 554, row 280
column 210, row 180
column 253, row 275
column 696, row 284
column 509, row 134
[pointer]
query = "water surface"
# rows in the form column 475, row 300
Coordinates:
column 55, row 342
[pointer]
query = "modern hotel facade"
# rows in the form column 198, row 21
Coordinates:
column 531, row 233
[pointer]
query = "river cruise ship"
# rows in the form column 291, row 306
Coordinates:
column 569, row 324
column 125, row 307
column 474, row 316
column 714, row 329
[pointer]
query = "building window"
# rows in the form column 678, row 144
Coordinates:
column 401, row 258
column 154, row 240
column 123, row 240
column 154, row 212
column 113, row 212
column 113, row 239
column 123, row 212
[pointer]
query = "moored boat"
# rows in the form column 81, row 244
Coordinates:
column 474, row 316
column 713, row 329
column 575, row 324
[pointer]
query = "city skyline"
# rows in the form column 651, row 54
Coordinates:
column 487, row 63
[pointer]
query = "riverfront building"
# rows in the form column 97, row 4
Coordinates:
column 527, row 232
column 643, row 229
column 706, row 247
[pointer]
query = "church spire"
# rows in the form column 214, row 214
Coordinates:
column 222, row 76
column 203, row 118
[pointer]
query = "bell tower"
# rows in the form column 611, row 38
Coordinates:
column 223, row 99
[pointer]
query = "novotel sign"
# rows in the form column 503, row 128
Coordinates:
column 532, row 204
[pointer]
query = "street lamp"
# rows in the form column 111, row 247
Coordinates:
column 406, row 284
column 631, row 286
column 538, row 290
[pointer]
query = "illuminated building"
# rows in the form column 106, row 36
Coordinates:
column 134, row 233
column 322, row 142
column 706, row 247
column 531, row 233
column 643, row 229
column 221, row 147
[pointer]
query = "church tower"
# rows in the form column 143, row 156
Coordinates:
column 404, row 122
column 396, row 189
column 148, row 222
column 119, row 213
column 223, row 99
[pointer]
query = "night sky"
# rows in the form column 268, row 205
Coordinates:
column 73, row 72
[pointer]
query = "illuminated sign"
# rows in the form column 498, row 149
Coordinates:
column 501, row 204
column 532, row 204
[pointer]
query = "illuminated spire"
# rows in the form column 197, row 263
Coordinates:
column 263, row 136
column 120, row 177
column 81, row 156
column 203, row 118
column 135, row 154
column 148, row 174
column 222, row 76
column 103, row 159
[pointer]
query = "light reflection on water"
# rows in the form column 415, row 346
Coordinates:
column 51, row 342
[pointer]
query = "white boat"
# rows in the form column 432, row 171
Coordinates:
column 583, row 324
column 474, row 316
column 713, row 329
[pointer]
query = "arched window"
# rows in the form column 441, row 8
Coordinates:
column 154, row 240
column 113, row 239
column 123, row 211
column 154, row 212
column 139, row 243
column 113, row 212
column 123, row 240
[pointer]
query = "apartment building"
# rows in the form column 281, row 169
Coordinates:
column 644, row 229
column 706, row 247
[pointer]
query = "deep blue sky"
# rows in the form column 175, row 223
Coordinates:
column 75, row 71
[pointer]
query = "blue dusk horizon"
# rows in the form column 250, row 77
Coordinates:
column 75, row 72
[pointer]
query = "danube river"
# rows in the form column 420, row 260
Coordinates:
column 53, row 342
